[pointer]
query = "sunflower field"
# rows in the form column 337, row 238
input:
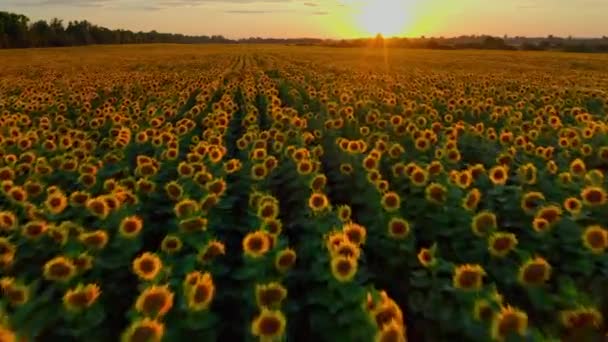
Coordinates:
column 274, row 193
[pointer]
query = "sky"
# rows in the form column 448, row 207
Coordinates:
column 331, row 18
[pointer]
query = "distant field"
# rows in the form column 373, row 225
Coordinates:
column 274, row 193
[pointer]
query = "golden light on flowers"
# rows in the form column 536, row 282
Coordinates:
column 468, row 277
column 268, row 324
column 318, row 202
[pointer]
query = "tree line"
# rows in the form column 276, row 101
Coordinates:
column 17, row 31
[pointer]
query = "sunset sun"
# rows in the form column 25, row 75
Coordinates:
column 388, row 17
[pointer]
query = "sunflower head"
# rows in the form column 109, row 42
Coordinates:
column 534, row 272
column 501, row 243
column 270, row 295
column 130, row 226
column 81, row 297
column 509, row 321
column 594, row 196
column 343, row 268
column 468, row 277
column 212, row 250
column 318, row 202
column 200, row 294
column 171, row 244
column 581, row 317
column 147, row 266
column 256, row 244
column 60, row 269
column 268, row 324
column 285, row 259
column 144, row 329
column 155, row 301
column 595, row 239
column 483, row 223
column 391, row 201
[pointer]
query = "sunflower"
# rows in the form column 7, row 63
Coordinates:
column 155, row 301
column 391, row 332
column 436, row 193
column 79, row 198
column 578, row 168
column 551, row 213
column 268, row 210
column 256, row 244
column 8, row 221
column 130, row 226
column 81, row 297
column 471, row 200
column 509, row 321
column 259, row 171
column 343, row 268
column 483, row 223
column 499, row 174
column 418, row 176
column 344, row 212
column 7, row 335
column 346, row 169
column 354, row 233
column 60, row 269
column 426, row 257
column 581, row 317
column 270, row 295
column 98, row 207
column 318, row 183
column 464, row 179
column 96, row 239
column 398, row 228
column 391, row 201
column 482, row 310
column 17, row 194
column 573, row 205
column 173, row 190
column 269, row 324
column 200, row 295
column 147, row 266
column 594, row 196
column 185, row 208
column 318, row 202
column 500, row 243
column 468, row 277
column 216, row 186
column 193, row 224
column 534, row 272
column 145, row 329
column 171, row 244
column 212, row 250
column 285, row 259
column 595, row 238
column 385, row 312
column 273, row 226
column 347, row 249
column 17, row 294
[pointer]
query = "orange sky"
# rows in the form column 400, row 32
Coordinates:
column 332, row 18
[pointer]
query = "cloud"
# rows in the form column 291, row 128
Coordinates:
column 311, row 4
column 320, row 13
column 68, row 3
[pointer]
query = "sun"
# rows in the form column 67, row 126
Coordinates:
column 387, row 17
